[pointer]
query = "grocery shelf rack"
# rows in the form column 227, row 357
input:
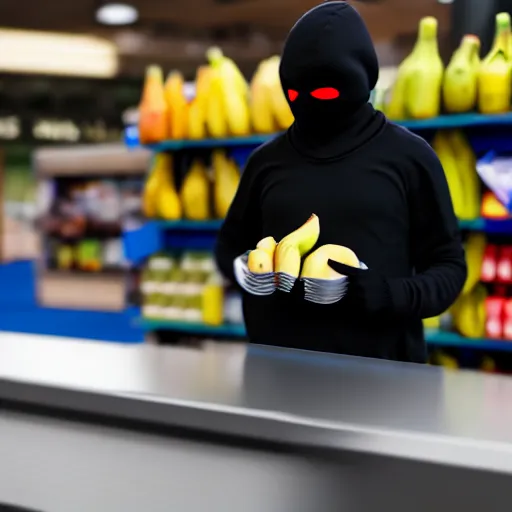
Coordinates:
column 487, row 132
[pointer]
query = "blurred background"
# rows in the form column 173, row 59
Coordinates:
column 124, row 128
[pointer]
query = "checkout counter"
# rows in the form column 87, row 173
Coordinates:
column 98, row 427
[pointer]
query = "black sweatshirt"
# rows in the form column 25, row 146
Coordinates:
column 376, row 188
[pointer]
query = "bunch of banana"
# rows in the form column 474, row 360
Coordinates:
column 160, row 198
column 290, row 256
column 195, row 192
column 226, row 177
column 461, row 76
column 495, row 75
column 417, row 90
column 230, row 93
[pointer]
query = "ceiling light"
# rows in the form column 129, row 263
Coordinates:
column 117, row 14
column 53, row 53
column 445, row 1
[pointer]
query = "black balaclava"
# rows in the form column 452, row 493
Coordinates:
column 328, row 69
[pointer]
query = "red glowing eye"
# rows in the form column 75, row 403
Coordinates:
column 325, row 93
column 292, row 95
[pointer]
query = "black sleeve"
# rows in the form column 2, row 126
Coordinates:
column 241, row 228
column 437, row 251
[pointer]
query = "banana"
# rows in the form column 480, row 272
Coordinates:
column 470, row 182
column 316, row 265
column 215, row 54
column 495, row 74
column 461, row 77
column 168, row 204
column 268, row 245
column 234, row 93
column 470, row 315
column 260, row 262
column 475, row 248
column 449, row 162
column 216, row 120
column 260, row 102
column 195, row 193
column 198, row 106
column 226, row 179
column 282, row 113
column 153, row 110
column 177, row 105
column 395, row 105
column 288, row 259
column 157, row 176
column 305, row 237
column 425, row 73
column 432, row 322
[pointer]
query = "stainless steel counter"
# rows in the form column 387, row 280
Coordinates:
column 298, row 398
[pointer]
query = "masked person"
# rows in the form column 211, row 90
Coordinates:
column 376, row 188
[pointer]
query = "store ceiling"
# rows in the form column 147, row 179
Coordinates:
column 176, row 33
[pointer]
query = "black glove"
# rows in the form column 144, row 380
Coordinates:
column 367, row 292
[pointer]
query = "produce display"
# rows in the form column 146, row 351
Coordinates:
column 187, row 288
column 484, row 308
column 84, row 220
column 206, row 192
column 224, row 104
column 424, row 88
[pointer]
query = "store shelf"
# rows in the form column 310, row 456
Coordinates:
column 176, row 145
column 228, row 331
column 435, row 123
column 458, row 121
column 450, row 339
column 472, row 225
column 190, row 225
column 214, row 225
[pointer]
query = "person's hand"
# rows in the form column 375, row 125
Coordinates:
column 367, row 291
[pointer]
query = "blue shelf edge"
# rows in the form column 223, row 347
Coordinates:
column 176, row 145
column 439, row 338
column 468, row 120
column 190, row 225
